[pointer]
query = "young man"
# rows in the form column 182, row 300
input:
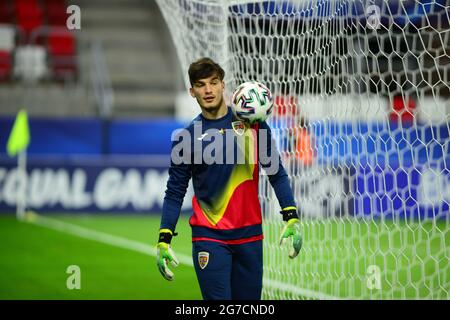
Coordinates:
column 226, row 226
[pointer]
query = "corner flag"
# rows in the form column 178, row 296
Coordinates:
column 19, row 137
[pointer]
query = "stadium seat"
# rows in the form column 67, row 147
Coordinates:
column 29, row 16
column 61, row 43
column 30, row 63
column 5, row 65
column 62, row 53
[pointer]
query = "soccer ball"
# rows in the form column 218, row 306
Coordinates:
column 252, row 102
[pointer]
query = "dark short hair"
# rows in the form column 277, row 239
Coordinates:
column 204, row 68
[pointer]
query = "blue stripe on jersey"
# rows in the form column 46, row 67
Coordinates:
column 228, row 234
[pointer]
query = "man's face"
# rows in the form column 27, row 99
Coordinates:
column 208, row 92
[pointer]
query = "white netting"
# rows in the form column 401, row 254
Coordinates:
column 362, row 123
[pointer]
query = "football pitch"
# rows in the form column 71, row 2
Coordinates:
column 34, row 259
column 115, row 256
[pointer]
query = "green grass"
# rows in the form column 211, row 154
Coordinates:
column 34, row 260
column 413, row 260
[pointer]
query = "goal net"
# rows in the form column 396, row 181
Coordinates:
column 361, row 119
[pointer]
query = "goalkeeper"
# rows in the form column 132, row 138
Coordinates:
column 226, row 222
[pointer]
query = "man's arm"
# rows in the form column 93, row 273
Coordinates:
column 279, row 180
column 179, row 176
column 280, row 183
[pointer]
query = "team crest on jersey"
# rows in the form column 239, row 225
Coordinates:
column 238, row 127
column 203, row 259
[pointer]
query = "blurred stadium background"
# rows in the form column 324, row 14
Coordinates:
column 373, row 182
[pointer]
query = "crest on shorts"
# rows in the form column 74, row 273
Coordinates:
column 238, row 127
column 203, row 259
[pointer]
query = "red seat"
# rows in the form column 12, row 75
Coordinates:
column 5, row 65
column 61, row 43
column 62, row 53
column 29, row 16
column 28, row 24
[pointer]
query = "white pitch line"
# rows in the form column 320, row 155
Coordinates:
column 103, row 237
column 150, row 250
column 283, row 286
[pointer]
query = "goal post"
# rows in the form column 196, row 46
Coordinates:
column 361, row 120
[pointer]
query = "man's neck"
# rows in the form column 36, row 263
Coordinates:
column 215, row 114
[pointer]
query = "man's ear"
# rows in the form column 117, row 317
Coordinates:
column 191, row 92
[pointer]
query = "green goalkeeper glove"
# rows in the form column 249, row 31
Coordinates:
column 291, row 230
column 165, row 254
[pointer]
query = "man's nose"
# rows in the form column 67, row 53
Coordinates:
column 208, row 88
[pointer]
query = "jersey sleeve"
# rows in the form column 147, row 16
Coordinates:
column 177, row 184
column 278, row 178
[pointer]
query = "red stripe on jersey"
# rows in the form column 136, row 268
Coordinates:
column 235, row 241
column 243, row 208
